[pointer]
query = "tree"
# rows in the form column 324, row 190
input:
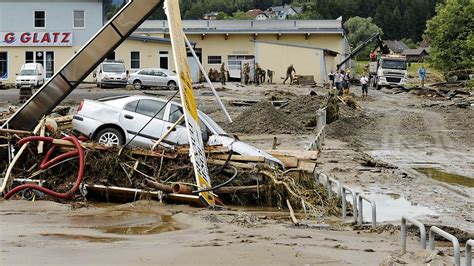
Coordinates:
column 359, row 29
column 450, row 34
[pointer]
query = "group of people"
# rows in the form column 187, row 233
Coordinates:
column 340, row 80
column 260, row 74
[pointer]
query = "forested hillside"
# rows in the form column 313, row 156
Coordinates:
column 397, row 18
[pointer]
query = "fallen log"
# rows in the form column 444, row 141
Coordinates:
column 15, row 132
column 239, row 158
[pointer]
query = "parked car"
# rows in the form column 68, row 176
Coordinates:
column 31, row 75
column 153, row 77
column 119, row 120
column 111, row 73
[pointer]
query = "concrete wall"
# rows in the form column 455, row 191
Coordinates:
column 149, row 53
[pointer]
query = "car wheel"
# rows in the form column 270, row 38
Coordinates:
column 137, row 84
column 172, row 85
column 99, row 85
column 110, row 136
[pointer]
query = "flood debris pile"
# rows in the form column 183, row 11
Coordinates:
column 298, row 115
column 65, row 169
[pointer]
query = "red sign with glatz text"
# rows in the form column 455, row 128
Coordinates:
column 51, row 38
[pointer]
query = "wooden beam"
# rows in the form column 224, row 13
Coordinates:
column 240, row 158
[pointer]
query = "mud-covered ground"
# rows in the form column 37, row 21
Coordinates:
column 376, row 150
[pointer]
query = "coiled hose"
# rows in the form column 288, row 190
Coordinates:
column 46, row 163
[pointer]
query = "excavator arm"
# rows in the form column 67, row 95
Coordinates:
column 109, row 37
column 373, row 37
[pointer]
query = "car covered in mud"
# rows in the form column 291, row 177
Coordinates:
column 121, row 120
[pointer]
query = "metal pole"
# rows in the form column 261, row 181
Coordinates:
column 208, row 80
column 469, row 245
column 167, row 132
column 457, row 252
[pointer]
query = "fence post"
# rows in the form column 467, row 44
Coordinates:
column 457, row 252
column 361, row 197
column 469, row 245
column 403, row 232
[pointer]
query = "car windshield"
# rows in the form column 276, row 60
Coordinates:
column 212, row 124
column 394, row 64
column 28, row 72
column 113, row 68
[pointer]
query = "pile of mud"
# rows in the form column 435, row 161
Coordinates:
column 350, row 126
column 263, row 118
column 303, row 110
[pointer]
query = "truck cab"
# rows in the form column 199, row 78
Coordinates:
column 31, row 75
column 389, row 71
column 111, row 73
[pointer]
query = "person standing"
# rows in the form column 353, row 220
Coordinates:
column 258, row 73
column 364, row 81
column 223, row 72
column 246, row 73
column 289, row 74
column 337, row 80
column 331, row 79
column 270, row 76
column 346, row 81
column 422, row 75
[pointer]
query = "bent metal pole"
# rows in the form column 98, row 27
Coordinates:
column 204, row 73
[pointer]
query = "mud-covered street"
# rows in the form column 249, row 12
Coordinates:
column 410, row 154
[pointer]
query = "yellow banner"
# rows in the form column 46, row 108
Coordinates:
column 196, row 149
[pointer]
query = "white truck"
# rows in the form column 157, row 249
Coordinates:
column 31, row 75
column 111, row 73
column 388, row 71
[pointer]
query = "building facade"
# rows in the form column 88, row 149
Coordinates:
column 314, row 47
column 50, row 32
column 45, row 32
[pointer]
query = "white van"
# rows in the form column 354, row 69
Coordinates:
column 31, row 75
column 111, row 73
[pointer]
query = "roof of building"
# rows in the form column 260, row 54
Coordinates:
column 253, row 13
column 396, row 46
column 144, row 38
column 247, row 26
column 418, row 51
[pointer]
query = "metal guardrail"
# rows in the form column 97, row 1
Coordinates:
column 403, row 231
column 469, row 245
column 361, row 197
column 457, row 252
column 317, row 143
column 344, row 190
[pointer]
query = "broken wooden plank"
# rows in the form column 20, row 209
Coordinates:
column 239, row 158
column 239, row 165
column 14, row 131
column 300, row 154
column 241, row 189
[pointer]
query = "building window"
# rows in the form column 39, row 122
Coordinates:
column 135, row 60
column 29, row 57
column 79, row 19
column 214, row 60
column 111, row 56
column 3, row 65
column 163, row 60
column 40, row 19
column 49, row 64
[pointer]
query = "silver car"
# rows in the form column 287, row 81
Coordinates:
column 119, row 120
column 153, row 77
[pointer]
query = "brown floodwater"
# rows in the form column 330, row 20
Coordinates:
column 449, row 178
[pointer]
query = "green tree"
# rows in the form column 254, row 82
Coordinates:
column 451, row 35
column 359, row 29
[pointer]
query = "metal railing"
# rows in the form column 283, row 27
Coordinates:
column 457, row 252
column 403, row 231
column 317, row 143
column 469, row 245
column 360, row 212
column 344, row 190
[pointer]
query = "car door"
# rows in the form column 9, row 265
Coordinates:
column 160, row 78
column 145, row 77
column 180, row 135
column 136, row 114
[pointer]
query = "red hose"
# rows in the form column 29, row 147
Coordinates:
column 46, row 163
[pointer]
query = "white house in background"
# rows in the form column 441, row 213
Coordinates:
column 257, row 14
column 282, row 12
column 210, row 16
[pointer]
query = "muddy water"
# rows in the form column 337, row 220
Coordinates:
column 391, row 206
column 114, row 219
column 449, row 178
